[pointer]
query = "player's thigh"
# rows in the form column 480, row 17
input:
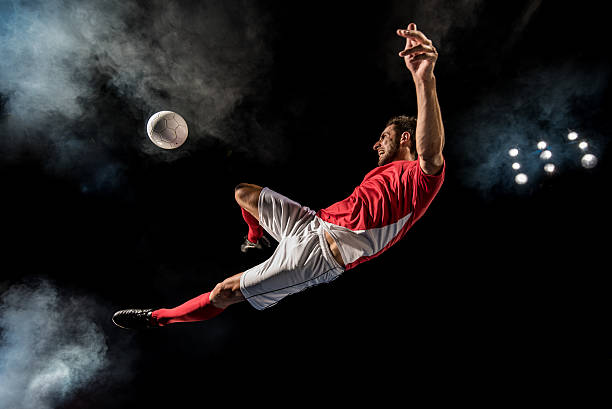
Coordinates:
column 282, row 217
column 247, row 196
column 298, row 262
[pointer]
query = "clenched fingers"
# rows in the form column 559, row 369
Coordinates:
column 425, row 56
column 419, row 49
column 414, row 35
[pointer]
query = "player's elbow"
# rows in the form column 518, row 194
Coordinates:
column 432, row 151
column 433, row 155
column 431, row 164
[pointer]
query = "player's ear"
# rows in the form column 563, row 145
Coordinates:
column 405, row 137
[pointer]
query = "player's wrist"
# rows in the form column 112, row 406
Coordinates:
column 428, row 80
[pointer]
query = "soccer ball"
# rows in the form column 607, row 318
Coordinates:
column 167, row 129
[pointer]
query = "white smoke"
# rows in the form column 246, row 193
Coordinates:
column 79, row 79
column 50, row 346
column 543, row 104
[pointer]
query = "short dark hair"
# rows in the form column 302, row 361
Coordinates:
column 404, row 123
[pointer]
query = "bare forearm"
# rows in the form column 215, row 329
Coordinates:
column 430, row 130
column 420, row 57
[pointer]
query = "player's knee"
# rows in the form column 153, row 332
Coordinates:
column 232, row 284
column 226, row 293
column 241, row 192
column 247, row 195
column 218, row 297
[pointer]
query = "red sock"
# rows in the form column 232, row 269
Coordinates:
column 196, row 309
column 255, row 230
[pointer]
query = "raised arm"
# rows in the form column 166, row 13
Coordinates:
column 420, row 57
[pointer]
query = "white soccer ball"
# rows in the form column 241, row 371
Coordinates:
column 167, row 129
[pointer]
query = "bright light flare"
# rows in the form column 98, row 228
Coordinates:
column 549, row 168
column 589, row 161
column 516, row 166
column 583, row 145
column 572, row 136
column 521, row 179
column 513, row 152
column 542, row 145
column 545, row 155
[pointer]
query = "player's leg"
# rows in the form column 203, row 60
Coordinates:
column 299, row 260
column 200, row 308
column 247, row 197
column 203, row 307
column 302, row 259
column 227, row 292
column 280, row 216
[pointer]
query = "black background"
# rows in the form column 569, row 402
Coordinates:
column 487, row 299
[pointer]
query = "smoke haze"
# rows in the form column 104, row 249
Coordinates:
column 543, row 104
column 50, row 346
column 79, row 79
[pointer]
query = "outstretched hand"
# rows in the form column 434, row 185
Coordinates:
column 419, row 55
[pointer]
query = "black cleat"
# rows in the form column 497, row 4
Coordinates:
column 134, row 319
column 262, row 243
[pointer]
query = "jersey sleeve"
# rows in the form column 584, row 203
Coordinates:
column 425, row 188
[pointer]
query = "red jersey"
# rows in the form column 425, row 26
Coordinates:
column 379, row 212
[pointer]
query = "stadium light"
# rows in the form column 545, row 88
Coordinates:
column 545, row 155
column 521, row 179
column 549, row 168
column 589, row 161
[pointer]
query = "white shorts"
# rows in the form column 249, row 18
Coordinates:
column 302, row 258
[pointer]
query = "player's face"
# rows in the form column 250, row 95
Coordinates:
column 387, row 145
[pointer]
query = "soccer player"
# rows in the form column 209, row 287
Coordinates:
column 317, row 247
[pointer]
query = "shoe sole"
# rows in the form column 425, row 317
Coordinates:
column 120, row 326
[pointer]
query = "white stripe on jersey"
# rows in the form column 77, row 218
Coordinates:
column 354, row 244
